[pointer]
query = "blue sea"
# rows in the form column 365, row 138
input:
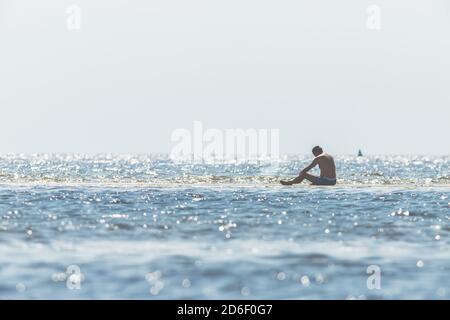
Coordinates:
column 144, row 227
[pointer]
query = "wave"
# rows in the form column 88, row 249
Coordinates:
column 243, row 249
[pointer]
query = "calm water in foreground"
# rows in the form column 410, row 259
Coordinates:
column 142, row 227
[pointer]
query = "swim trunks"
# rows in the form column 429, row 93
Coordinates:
column 324, row 181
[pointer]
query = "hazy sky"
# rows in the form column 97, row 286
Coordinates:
column 137, row 70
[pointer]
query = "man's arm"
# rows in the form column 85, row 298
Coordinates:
column 301, row 175
column 312, row 165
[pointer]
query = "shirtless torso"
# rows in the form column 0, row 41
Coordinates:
column 326, row 165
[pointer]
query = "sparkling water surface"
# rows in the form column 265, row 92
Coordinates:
column 144, row 227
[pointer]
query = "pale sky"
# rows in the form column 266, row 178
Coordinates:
column 137, row 70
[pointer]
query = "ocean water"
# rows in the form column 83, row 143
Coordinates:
column 144, row 227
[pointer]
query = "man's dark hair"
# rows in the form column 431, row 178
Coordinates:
column 317, row 150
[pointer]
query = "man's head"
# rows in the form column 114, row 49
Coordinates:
column 317, row 151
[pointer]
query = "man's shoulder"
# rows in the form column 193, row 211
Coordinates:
column 324, row 156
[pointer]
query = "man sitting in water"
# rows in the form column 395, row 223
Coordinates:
column 327, row 170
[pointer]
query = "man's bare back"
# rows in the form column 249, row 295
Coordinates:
column 326, row 165
column 327, row 170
